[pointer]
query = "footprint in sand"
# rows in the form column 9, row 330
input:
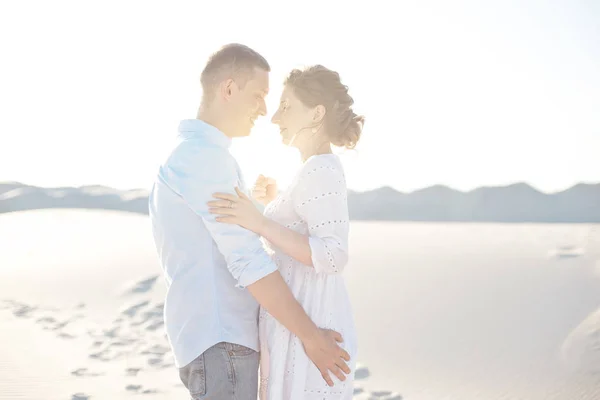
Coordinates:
column 132, row 371
column 157, row 354
column 155, row 361
column 106, row 355
column 157, row 349
column 138, row 389
column 59, row 325
column 141, row 313
column 64, row 335
column 154, row 326
column 84, row 372
column 143, row 286
column 46, row 320
column 131, row 311
column 51, row 323
column 121, row 343
column 386, row 396
column 6, row 304
column 23, row 311
column 154, row 314
column 111, row 343
column 566, row 252
column 101, row 355
column 361, row 372
column 109, row 355
column 99, row 333
column 67, row 329
column 379, row 395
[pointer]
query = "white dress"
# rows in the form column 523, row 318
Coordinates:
column 314, row 204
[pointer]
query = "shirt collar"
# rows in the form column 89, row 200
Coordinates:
column 190, row 128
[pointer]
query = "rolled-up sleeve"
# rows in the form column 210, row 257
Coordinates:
column 196, row 173
column 320, row 199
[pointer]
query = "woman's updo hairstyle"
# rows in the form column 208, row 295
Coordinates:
column 317, row 85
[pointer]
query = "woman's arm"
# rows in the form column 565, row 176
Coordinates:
column 240, row 210
column 292, row 243
column 319, row 200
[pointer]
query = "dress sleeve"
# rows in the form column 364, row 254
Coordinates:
column 320, row 199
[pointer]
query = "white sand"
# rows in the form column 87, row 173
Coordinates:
column 82, row 298
column 459, row 311
column 477, row 311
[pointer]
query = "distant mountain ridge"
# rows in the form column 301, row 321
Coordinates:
column 518, row 202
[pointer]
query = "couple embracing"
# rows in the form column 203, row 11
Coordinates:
column 256, row 303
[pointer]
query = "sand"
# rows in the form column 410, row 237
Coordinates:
column 460, row 311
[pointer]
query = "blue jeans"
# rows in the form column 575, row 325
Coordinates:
column 225, row 371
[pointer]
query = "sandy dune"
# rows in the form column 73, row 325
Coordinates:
column 81, row 309
column 447, row 312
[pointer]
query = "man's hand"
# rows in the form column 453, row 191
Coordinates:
column 264, row 190
column 325, row 353
column 321, row 345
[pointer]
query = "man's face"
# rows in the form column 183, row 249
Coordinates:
column 248, row 103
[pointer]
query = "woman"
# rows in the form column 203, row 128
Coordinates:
column 306, row 228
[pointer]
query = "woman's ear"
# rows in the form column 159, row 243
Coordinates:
column 319, row 113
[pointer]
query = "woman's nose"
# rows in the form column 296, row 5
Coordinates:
column 275, row 118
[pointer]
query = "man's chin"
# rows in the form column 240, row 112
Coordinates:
column 245, row 132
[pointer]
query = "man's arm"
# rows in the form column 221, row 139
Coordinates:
column 320, row 344
column 195, row 174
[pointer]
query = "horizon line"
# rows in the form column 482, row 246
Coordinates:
column 517, row 183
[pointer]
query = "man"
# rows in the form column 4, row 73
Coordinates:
column 218, row 274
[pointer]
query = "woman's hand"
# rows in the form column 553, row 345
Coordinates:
column 239, row 210
column 264, row 190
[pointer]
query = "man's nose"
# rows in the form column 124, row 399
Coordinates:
column 262, row 108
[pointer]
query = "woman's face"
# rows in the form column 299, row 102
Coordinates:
column 294, row 119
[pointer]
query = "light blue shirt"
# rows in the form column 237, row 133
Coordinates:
column 206, row 264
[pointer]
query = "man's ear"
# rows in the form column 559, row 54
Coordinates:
column 227, row 88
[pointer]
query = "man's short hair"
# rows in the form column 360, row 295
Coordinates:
column 233, row 61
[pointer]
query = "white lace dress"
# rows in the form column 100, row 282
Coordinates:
column 314, row 204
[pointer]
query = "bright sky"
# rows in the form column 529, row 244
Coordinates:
column 457, row 93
